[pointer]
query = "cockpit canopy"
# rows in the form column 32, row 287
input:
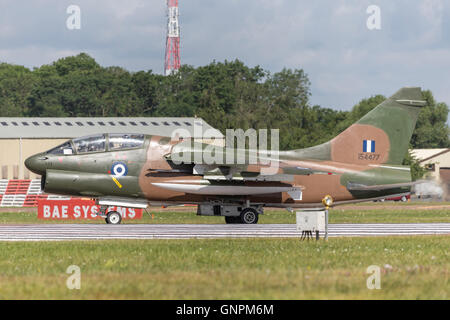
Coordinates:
column 90, row 144
column 99, row 143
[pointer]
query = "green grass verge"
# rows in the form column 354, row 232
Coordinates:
column 337, row 215
column 412, row 268
column 389, row 216
column 424, row 203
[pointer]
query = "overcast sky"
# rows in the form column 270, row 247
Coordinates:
column 329, row 39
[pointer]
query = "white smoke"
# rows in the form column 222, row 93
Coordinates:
column 429, row 189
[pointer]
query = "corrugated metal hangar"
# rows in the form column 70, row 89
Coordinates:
column 23, row 137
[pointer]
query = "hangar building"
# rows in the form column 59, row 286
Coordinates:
column 437, row 162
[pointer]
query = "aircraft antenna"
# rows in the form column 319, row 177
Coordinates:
column 172, row 60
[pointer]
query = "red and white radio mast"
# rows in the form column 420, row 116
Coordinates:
column 172, row 61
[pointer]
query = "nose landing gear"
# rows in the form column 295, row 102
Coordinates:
column 113, row 217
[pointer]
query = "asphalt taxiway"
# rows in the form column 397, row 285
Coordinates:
column 53, row 232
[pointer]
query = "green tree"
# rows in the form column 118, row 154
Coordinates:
column 16, row 83
column 417, row 171
column 431, row 129
column 81, row 62
column 226, row 94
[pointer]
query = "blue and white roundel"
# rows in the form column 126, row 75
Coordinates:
column 119, row 169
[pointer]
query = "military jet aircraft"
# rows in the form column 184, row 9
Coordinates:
column 362, row 163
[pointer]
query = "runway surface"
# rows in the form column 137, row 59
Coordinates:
column 53, row 232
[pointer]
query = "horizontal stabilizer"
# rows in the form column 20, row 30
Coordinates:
column 361, row 187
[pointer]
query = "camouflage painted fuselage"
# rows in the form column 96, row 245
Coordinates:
column 363, row 162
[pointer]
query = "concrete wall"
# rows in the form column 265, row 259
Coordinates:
column 439, row 161
column 440, row 172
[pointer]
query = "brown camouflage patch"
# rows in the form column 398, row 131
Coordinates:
column 348, row 146
column 317, row 186
column 158, row 148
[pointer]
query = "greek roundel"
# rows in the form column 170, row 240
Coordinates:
column 119, row 169
column 369, row 146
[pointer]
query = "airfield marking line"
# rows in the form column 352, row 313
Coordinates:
column 62, row 232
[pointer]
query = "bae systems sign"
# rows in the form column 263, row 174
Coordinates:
column 79, row 210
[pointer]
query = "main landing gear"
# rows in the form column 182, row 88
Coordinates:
column 234, row 213
column 248, row 216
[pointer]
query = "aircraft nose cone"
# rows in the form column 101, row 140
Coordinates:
column 37, row 164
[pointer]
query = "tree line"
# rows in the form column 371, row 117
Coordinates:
column 225, row 94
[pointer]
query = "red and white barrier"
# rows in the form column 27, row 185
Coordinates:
column 79, row 209
column 23, row 193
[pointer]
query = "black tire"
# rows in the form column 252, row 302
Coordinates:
column 249, row 216
column 113, row 217
column 229, row 220
column 232, row 220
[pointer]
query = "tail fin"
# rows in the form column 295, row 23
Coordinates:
column 382, row 135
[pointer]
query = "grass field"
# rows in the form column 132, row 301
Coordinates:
column 363, row 213
column 412, row 268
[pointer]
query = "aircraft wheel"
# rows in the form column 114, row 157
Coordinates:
column 404, row 199
column 249, row 216
column 113, row 217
